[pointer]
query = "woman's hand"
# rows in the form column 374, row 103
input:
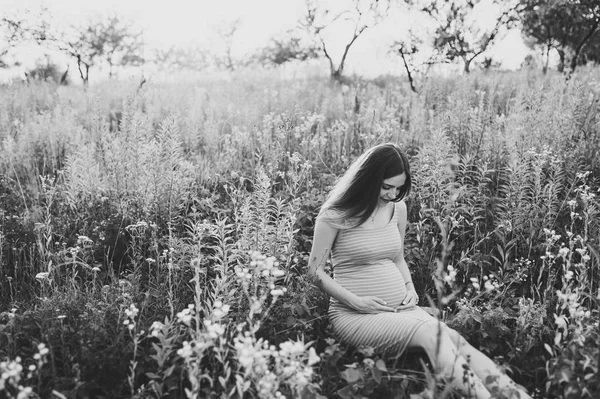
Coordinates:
column 410, row 300
column 372, row 304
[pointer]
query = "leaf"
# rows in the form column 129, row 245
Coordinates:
column 349, row 392
column 380, row 364
column 557, row 338
column 222, row 381
column 58, row 394
column 352, row 375
column 565, row 375
column 169, row 371
column 376, row 374
column 549, row 349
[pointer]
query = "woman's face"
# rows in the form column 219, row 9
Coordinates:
column 390, row 188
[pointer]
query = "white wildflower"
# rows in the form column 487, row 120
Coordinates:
column 42, row 276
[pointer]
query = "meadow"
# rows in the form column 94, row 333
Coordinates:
column 154, row 240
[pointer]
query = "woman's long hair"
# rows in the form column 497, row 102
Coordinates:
column 355, row 195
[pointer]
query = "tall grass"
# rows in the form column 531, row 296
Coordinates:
column 165, row 231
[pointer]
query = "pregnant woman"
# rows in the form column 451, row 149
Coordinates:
column 373, row 301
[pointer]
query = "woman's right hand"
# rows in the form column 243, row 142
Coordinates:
column 371, row 304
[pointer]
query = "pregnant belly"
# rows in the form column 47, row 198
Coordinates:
column 382, row 280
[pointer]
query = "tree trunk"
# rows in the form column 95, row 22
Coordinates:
column 561, row 56
column 406, row 67
column 84, row 77
column 467, row 65
column 581, row 44
column 336, row 75
column 332, row 71
column 547, row 61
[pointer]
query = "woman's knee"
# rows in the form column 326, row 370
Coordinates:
column 455, row 336
column 434, row 337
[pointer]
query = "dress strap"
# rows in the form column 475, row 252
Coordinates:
column 395, row 215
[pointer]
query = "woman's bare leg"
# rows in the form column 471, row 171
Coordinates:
column 448, row 360
column 485, row 368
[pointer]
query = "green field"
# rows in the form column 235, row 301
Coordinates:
column 154, row 240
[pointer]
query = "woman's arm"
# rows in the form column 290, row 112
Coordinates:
column 399, row 259
column 323, row 240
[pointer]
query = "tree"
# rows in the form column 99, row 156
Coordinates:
column 289, row 47
column 112, row 41
column 458, row 34
column 406, row 52
column 48, row 71
column 362, row 15
column 225, row 57
column 417, row 58
column 591, row 51
column 18, row 29
column 569, row 26
column 192, row 58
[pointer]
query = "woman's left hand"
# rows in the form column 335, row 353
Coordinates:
column 410, row 300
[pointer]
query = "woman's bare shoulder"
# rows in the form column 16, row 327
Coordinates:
column 402, row 214
column 401, row 208
column 333, row 217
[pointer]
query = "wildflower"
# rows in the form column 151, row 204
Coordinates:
column 291, row 348
column 568, row 275
column 214, row 330
column 132, row 312
column 25, row 393
column 185, row 316
column 582, row 175
column 60, row 317
column 42, row 276
column 156, row 327
column 563, row 251
column 42, row 349
column 186, row 351
column 560, row 321
column 84, row 241
column 489, row 286
column 450, row 277
column 220, row 309
column 313, row 358
column 277, row 273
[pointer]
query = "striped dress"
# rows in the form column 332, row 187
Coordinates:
column 363, row 264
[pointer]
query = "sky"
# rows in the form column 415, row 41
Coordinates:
column 188, row 22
